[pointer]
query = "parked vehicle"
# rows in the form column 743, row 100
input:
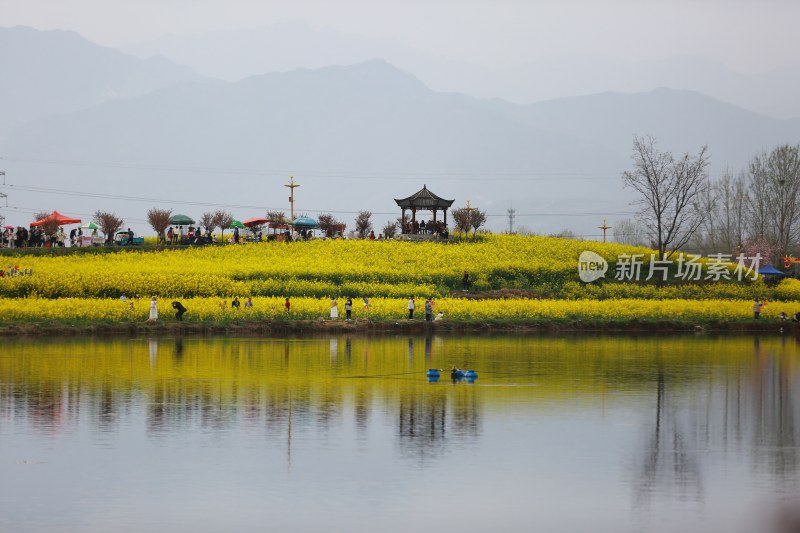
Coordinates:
column 124, row 238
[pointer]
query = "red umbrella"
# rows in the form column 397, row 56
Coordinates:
column 61, row 219
column 255, row 221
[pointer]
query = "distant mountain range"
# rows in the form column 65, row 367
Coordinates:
column 233, row 55
column 356, row 137
column 51, row 72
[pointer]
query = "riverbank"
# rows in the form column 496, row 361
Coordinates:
column 57, row 328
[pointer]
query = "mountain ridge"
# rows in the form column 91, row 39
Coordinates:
column 58, row 71
column 363, row 134
column 771, row 92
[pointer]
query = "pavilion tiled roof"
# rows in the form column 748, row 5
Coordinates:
column 423, row 199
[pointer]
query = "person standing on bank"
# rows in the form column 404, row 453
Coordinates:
column 334, row 309
column 411, row 308
column 153, row 310
column 179, row 308
column 428, row 310
column 757, row 309
column 348, row 309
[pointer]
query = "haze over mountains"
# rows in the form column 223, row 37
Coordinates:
column 233, row 55
column 46, row 73
column 355, row 136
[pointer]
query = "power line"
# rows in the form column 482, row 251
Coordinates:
column 35, row 211
column 65, row 192
column 317, row 174
column 3, row 196
column 341, row 174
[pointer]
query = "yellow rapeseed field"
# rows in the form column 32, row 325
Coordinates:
column 88, row 286
column 272, row 308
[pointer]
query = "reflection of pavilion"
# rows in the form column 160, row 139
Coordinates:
column 423, row 200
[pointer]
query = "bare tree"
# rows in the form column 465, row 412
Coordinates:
column 462, row 219
column 725, row 204
column 159, row 221
column 49, row 226
column 209, row 221
column 466, row 218
column 477, row 219
column 775, row 196
column 565, row 234
column 668, row 189
column 223, row 219
column 732, row 198
column 363, row 223
column 277, row 218
column 628, row 231
column 109, row 224
column 390, row 230
column 329, row 224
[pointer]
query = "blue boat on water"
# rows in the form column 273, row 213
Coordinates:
column 456, row 374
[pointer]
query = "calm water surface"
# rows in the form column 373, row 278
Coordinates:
column 668, row 434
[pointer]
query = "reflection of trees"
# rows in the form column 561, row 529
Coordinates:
column 327, row 408
column 40, row 402
column 106, row 407
column 361, row 408
column 775, row 416
column 422, row 421
column 466, row 412
column 426, row 425
column 731, row 407
column 670, row 462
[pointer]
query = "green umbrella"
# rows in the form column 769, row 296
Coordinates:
column 236, row 224
column 89, row 225
column 180, row 220
column 306, row 222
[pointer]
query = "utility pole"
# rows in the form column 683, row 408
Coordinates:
column 3, row 196
column 511, row 214
column 604, row 227
column 291, row 186
column 469, row 210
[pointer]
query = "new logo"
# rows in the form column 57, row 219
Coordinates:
column 591, row 267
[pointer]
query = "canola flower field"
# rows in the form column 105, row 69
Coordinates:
column 81, row 310
column 87, row 286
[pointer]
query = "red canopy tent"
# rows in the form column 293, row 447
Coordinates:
column 255, row 221
column 61, row 219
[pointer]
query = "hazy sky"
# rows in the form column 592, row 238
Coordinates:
column 748, row 35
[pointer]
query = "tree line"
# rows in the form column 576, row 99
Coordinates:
column 465, row 219
column 753, row 210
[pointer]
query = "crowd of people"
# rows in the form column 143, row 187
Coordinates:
column 191, row 235
column 236, row 304
column 432, row 227
column 35, row 237
column 21, row 237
